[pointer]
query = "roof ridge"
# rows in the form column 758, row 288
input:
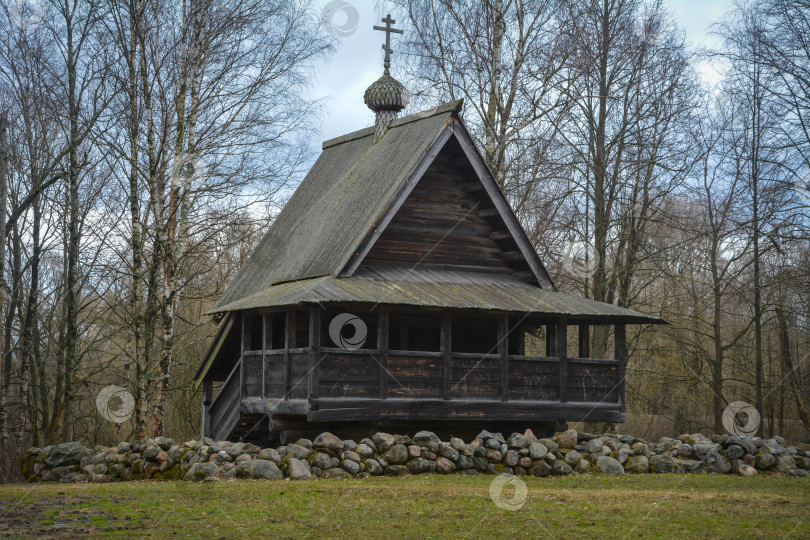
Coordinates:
column 450, row 106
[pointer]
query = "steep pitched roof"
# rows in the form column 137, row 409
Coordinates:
column 350, row 195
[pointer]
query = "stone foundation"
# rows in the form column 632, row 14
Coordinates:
column 395, row 455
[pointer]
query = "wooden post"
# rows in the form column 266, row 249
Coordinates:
column 562, row 352
column 208, row 389
column 314, row 353
column 243, row 348
column 620, row 353
column 584, row 341
column 551, row 340
column 382, row 344
column 503, row 349
column 446, row 344
column 289, row 343
column 264, row 356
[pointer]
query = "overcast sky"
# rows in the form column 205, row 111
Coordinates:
column 358, row 60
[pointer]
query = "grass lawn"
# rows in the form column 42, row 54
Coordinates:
column 685, row 506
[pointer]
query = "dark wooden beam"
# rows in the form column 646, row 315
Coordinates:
column 314, row 351
column 243, row 347
column 337, row 409
column 620, row 353
column 382, row 344
column 208, row 391
column 446, row 344
column 584, row 341
column 289, row 343
column 551, row 340
column 512, row 256
column 562, row 352
column 264, row 354
column 503, row 349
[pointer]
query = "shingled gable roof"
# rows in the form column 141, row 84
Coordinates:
column 349, row 196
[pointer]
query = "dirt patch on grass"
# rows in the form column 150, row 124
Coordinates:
column 57, row 516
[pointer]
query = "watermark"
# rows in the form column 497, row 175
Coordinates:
column 27, row 14
column 358, row 331
column 340, row 18
column 741, row 419
column 580, row 260
column 508, row 492
column 648, row 26
column 115, row 404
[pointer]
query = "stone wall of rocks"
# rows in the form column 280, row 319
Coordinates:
column 384, row 454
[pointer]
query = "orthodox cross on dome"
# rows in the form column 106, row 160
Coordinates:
column 388, row 29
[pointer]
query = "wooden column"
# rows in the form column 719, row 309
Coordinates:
column 446, row 344
column 584, row 341
column 263, row 371
column 289, row 343
column 562, row 352
column 243, row 347
column 620, row 353
column 503, row 350
column 551, row 340
column 314, row 353
column 382, row 344
column 208, row 390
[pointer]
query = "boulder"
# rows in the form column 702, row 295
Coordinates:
column 69, row 453
column 561, row 468
column 583, row 466
column 765, row 461
column 259, row 469
column 201, row 471
column 298, row 470
column 323, row 461
column 567, row 439
column 608, row 465
column 785, row 463
column 746, row 471
column 537, row 451
column 396, row 455
column 445, row 466
column 365, row 451
column 351, row 467
column 540, row 468
column 419, row 466
column 716, row 463
column 594, row 446
column 511, row 459
column 573, row 457
column 516, row 440
column 164, row 442
column 637, row 465
column 373, row 467
column 665, row 464
column 445, row 450
column 383, row 441
column 329, row 442
column 701, row 450
column 425, row 438
column 298, row 452
column 270, row 454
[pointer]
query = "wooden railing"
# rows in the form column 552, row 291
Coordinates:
column 224, row 409
column 411, row 374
